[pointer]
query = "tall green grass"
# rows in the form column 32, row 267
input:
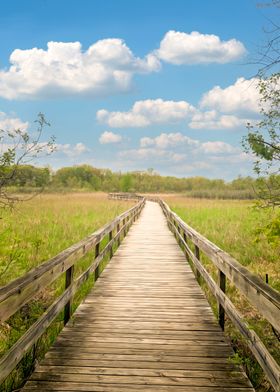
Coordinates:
column 232, row 225
column 32, row 233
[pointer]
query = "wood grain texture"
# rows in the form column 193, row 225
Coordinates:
column 146, row 326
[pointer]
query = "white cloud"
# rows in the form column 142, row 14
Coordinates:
column 176, row 147
column 236, row 159
column 146, row 154
column 193, row 166
column 71, row 150
column 194, row 48
column 218, row 147
column 105, row 68
column 9, row 123
column 213, row 120
column 109, row 137
column 147, row 112
column 166, row 140
column 242, row 96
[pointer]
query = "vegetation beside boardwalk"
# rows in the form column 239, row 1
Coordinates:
column 33, row 232
column 232, row 225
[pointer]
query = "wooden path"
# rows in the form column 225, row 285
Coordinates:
column 146, row 326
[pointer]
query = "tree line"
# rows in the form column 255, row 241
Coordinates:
column 88, row 178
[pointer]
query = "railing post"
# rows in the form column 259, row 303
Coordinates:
column 111, row 247
column 174, row 228
column 186, row 253
column 124, row 230
column 69, row 274
column 221, row 310
column 96, row 272
column 119, row 238
column 197, row 255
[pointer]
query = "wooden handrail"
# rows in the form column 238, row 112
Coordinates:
column 20, row 291
column 264, row 298
column 124, row 196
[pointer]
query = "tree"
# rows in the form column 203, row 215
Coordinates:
column 263, row 138
column 126, row 182
column 17, row 148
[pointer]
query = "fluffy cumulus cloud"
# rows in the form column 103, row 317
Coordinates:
column 154, row 154
column 213, row 120
column 218, row 147
column 182, row 153
column 242, row 96
column 64, row 68
column 70, row 150
column 108, row 137
column 166, row 140
column 147, row 112
column 195, row 48
column 231, row 107
column 9, row 123
column 106, row 67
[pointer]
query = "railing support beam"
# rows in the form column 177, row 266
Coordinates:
column 221, row 310
column 69, row 275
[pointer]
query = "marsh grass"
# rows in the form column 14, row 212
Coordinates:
column 232, row 226
column 31, row 234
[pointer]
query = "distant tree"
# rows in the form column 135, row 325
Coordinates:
column 80, row 176
column 30, row 176
column 126, row 182
column 17, row 148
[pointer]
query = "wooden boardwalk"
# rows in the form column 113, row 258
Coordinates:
column 146, row 326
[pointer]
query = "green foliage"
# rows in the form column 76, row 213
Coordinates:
column 263, row 139
column 270, row 230
column 126, row 183
column 85, row 177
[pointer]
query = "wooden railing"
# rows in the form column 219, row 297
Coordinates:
column 265, row 299
column 20, row 291
column 124, row 196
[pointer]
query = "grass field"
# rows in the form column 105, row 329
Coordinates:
column 232, row 226
column 40, row 228
column 33, row 232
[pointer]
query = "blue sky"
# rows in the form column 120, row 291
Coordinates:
column 129, row 85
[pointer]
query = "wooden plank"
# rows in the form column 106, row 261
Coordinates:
column 145, row 326
column 48, row 386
